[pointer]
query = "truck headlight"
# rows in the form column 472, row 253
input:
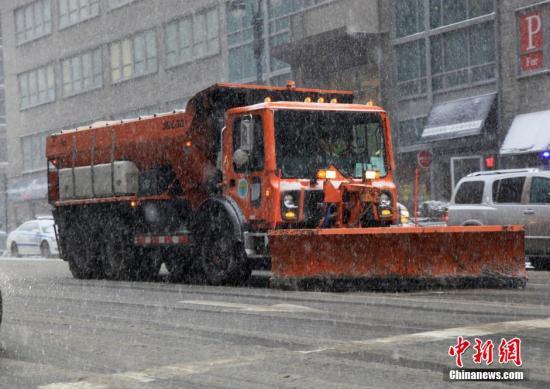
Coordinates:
column 289, row 202
column 290, row 205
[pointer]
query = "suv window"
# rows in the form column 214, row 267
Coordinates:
column 508, row 190
column 540, row 191
column 470, row 192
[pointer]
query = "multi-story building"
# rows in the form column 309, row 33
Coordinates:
column 444, row 97
column 524, row 28
column 73, row 62
column 471, row 87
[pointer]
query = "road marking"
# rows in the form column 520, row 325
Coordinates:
column 153, row 374
column 252, row 308
column 437, row 335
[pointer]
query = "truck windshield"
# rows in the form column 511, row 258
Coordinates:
column 311, row 140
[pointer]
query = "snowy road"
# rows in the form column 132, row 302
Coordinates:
column 59, row 332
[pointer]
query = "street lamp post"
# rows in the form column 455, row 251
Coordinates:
column 258, row 26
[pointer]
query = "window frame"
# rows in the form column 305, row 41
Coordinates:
column 31, row 27
column 129, row 43
column 80, row 56
column 532, row 184
column 192, row 20
column 468, row 71
column 81, row 19
column 50, row 86
column 495, row 192
column 466, row 183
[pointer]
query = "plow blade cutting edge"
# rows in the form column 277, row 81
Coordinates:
column 402, row 258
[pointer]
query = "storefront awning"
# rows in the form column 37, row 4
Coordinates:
column 458, row 118
column 529, row 133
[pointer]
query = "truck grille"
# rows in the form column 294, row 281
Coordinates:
column 313, row 207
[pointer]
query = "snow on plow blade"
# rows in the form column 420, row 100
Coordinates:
column 402, row 258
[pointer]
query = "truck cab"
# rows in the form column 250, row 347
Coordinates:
column 278, row 157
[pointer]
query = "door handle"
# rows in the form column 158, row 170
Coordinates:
column 528, row 212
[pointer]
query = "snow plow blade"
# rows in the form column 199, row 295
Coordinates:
column 398, row 259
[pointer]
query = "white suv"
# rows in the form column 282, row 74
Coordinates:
column 504, row 197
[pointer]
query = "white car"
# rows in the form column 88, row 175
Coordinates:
column 35, row 237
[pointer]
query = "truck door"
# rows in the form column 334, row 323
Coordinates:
column 247, row 164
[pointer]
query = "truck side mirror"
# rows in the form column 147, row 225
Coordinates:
column 241, row 158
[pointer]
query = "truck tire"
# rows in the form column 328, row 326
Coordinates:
column 219, row 248
column 179, row 264
column 83, row 263
column 119, row 258
column 146, row 265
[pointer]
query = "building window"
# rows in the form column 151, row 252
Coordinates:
column 409, row 17
column 462, row 57
column 33, row 21
column 134, row 57
column 411, row 68
column 75, row 11
column 410, row 131
column 444, row 12
column 192, row 37
column 82, row 72
column 36, row 87
column 33, row 146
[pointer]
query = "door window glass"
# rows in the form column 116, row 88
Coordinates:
column 540, row 191
column 508, row 190
column 470, row 193
column 248, row 136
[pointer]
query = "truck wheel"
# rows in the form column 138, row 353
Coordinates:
column 179, row 264
column 221, row 256
column 119, row 258
column 83, row 263
column 146, row 265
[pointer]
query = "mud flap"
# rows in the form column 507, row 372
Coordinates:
column 398, row 258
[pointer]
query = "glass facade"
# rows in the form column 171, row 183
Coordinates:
column 458, row 57
column 240, row 37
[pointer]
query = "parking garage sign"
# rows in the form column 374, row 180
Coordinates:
column 531, row 41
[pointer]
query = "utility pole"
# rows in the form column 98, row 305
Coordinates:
column 257, row 32
column 258, row 26
column 5, row 185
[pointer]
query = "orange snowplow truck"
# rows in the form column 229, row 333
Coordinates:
column 299, row 181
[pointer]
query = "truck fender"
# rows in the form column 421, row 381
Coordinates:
column 233, row 211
